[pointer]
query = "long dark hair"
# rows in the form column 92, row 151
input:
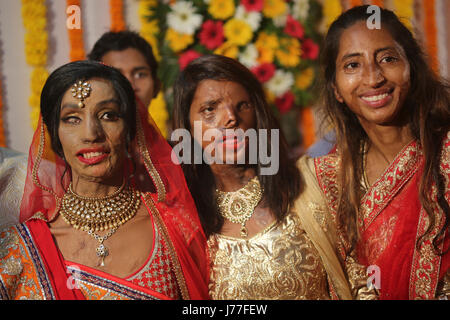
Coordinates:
column 65, row 76
column 280, row 189
column 428, row 118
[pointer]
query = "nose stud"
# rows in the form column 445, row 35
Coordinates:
column 81, row 90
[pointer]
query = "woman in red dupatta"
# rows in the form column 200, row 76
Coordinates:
column 160, row 250
column 388, row 182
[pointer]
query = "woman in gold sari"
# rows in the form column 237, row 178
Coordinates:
column 270, row 236
column 388, row 183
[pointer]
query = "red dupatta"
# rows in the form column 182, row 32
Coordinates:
column 391, row 221
column 155, row 174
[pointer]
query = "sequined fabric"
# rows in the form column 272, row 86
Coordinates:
column 278, row 263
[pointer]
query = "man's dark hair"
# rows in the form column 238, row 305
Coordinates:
column 122, row 40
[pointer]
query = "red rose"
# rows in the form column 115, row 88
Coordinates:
column 211, row 34
column 285, row 102
column 264, row 72
column 294, row 28
column 310, row 49
column 253, row 5
column 187, row 57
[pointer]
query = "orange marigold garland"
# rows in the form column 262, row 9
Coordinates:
column 379, row 3
column 149, row 31
column 76, row 37
column 431, row 33
column 36, row 46
column 2, row 131
column 355, row 3
column 116, row 14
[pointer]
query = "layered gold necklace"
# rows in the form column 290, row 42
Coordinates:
column 238, row 206
column 93, row 214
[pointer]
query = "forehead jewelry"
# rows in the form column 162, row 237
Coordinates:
column 81, row 90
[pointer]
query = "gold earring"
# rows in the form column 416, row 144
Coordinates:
column 81, row 90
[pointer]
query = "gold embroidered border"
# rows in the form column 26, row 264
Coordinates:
column 148, row 161
column 426, row 262
column 404, row 166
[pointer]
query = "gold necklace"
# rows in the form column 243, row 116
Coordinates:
column 92, row 214
column 238, row 206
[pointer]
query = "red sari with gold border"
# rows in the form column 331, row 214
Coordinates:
column 32, row 267
column 391, row 221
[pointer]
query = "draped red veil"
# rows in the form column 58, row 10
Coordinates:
column 151, row 169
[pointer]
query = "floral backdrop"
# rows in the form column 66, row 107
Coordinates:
column 276, row 39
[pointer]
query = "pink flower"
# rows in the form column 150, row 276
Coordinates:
column 253, row 5
column 294, row 28
column 264, row 72
column 310, row 49
column 285, row 102
column 211, row 34
column 187, row 57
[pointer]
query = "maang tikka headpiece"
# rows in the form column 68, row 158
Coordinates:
column 81, row 90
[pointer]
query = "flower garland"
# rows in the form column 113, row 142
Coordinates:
column 404, row 10
column 149, row 28
column 276, row 39
column 116, row 15
column 2, row 131
column 36, row 46
column 355, row 3
column 331, row 10
column 76, row 37
column 431, row 33
column 149, row 31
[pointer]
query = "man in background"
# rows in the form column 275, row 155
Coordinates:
column 132, row 55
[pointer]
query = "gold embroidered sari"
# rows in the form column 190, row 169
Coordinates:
column 296, row 258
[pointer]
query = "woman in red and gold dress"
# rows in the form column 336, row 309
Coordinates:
column 106, row 214
column 388, row 182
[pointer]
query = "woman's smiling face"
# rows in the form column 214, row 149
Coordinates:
column 372, row 74
column 93, row 137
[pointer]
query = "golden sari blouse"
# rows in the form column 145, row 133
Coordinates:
column 278, row 263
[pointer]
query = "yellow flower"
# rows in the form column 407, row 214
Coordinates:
column 331, row 10
column 34, row 116
column 269, row 95
column 150, row 27
column 221, row 9
column 266, row 40
column 288, row 54
column 228, row 49
column 405, row 11
column 38, row 77
column 266, row 44
column 265, row 55
column 305, row 78
column 158, row 111
column 154, row 43
column 178, row 41
column 237, row 32
column 274, row 8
